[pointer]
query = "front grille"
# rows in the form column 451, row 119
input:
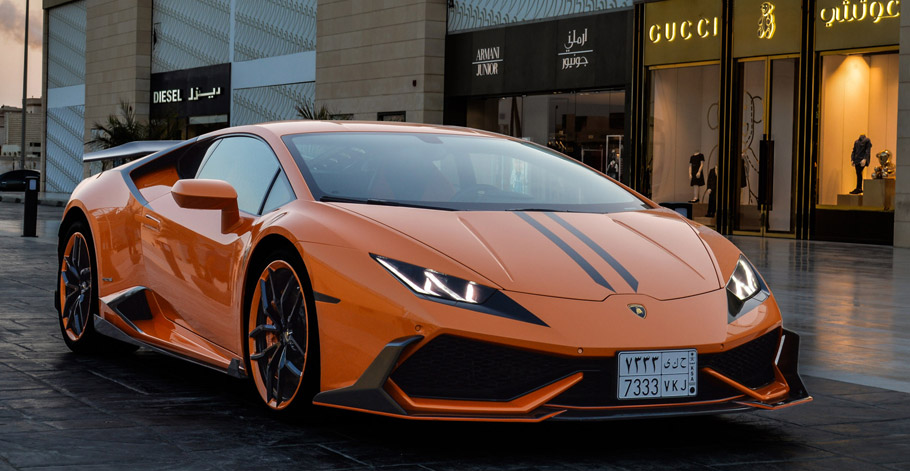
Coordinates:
column 452, row 367
column 750, row 364
column 457, row 368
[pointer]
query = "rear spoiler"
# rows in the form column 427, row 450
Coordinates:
column 129, row 150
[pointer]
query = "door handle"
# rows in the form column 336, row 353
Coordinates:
column 152, row 222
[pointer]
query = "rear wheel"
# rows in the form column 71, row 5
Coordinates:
column 78, row 290
column 281, row 341
column 77, row 283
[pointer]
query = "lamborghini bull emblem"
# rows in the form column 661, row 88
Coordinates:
column 639, row 310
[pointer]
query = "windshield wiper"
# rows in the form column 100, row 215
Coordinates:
column 341, row 199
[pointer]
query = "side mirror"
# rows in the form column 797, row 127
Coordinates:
column 209, row 194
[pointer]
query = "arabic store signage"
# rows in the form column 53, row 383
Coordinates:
column 202, row 91
column 175, row 95
column 584, row 52
column 576, row 54
column 846, row 24
column 679, row 31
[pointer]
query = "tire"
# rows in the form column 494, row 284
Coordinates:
column 78, row 290
column 282, row 342
column 77, row 282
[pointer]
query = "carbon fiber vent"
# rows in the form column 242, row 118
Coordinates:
column 452, row 367
column 749, row 364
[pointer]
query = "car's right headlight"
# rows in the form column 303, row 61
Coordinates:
column 745, row 288
column 435, row 284
column 447, row 289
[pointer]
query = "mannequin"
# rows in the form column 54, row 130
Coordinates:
column 710, row 193
column 860, row 159
column 613, row 165
column 696, row 175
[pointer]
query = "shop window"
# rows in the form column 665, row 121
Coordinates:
column 858, row 98
column 395, row 116
column 683, row 124
column 587, row 126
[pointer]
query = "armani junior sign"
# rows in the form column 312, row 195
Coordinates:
column 487, row 61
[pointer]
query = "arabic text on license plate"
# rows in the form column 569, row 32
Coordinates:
column 655, row 374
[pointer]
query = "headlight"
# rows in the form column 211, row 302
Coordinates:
column 434, row 284
column 743, row 287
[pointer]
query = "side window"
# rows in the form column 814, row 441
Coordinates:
column 188, row 163
column 280, row 194
column 248, row 164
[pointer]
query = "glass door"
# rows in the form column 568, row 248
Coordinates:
column 764, row 163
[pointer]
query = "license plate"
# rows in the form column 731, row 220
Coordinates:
column 656, row 374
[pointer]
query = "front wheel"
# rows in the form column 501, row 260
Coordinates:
column 281, row 337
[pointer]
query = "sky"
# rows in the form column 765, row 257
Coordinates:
column 12, row 33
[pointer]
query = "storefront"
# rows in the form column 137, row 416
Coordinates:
column 561, row 83
column 682, row 49
column 750, row 110
column 857, row 53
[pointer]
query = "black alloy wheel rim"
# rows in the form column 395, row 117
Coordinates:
column 76, row 284
column 278, row 335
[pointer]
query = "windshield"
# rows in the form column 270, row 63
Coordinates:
column 449, row 172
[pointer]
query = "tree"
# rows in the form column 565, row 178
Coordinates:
column 308, row 110
column 116, row 131
column 123, row 127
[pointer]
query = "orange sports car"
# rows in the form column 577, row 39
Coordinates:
column 416, row 271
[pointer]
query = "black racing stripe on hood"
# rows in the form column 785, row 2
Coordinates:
column 575, row 256
column 631, row 280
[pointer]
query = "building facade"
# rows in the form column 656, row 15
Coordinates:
column 198, row 65
column 560, row 76
column 762, row 100
column 775, row 95
column 11, row 135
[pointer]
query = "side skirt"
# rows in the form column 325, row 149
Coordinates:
column 105, row 328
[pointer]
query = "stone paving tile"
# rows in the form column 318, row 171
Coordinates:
column 141, row 411
column 825, row 464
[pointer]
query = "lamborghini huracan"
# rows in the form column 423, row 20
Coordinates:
column 417, row 271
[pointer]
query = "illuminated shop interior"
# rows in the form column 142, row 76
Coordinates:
column 858, row 96
column 683, row 121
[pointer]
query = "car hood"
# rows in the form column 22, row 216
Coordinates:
column 571, row 255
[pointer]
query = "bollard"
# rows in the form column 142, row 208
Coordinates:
column 30, row 218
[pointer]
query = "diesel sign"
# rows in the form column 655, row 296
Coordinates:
column 166, row 96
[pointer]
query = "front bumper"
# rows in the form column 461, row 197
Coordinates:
column 454, row 378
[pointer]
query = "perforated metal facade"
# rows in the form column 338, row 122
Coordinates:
column 270, row 28
column 187, row 34
column 65, row 78
column 66, row 46
column 474, row 14
column 276, row 103
column 65, row 127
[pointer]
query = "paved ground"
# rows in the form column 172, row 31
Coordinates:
column 147, row 411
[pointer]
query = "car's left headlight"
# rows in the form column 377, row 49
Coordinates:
column 431, row 283
column 745, row 288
